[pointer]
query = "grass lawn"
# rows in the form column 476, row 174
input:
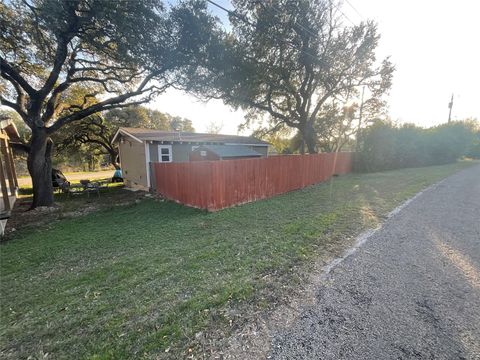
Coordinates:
column 147, row 280
column 73, row 177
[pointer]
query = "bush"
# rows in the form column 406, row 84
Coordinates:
column 386, row 146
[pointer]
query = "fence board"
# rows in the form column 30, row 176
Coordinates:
column 214, row 185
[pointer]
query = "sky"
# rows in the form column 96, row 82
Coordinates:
column 434, row 45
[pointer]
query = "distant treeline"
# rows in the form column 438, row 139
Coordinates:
column 385, row 145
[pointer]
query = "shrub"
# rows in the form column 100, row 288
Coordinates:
column 386, row 146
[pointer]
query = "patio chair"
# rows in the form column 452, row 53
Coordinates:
column 90, row 187
column 64, row 187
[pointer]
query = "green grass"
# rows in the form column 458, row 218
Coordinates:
column 135, row 281
column 68, row 173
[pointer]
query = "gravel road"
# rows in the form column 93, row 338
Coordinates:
column 412, row 291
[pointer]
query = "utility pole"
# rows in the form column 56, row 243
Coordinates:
column 450, row 106
column 361, row 108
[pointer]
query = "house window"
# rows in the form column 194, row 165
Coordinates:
column 165, row 153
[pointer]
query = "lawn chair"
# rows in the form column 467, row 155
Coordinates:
column 65, row 187
column 90, row 187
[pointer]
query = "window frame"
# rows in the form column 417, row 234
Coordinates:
column 170, row 155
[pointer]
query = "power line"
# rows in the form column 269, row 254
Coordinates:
column 354, row 9
column 295, row 23
column 343, row 14
column 242, row 18
column 230, row 12
column 308, row 30
column 245, row 20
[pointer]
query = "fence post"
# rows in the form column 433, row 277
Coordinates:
column 214, row 185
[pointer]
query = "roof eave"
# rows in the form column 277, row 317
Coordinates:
column 126, row 133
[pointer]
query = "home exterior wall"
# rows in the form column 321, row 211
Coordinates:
column 209, row 155
column 180, row 152
column 132, row 158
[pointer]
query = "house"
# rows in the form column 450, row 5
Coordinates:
column 8, row 175
column 138, row 148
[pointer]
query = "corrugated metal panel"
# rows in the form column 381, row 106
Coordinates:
column 229, row 151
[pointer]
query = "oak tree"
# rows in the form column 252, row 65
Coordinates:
column 98, row 130
column 285, row 61
column 123, row 52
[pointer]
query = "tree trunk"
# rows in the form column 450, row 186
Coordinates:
column 40, row 167
column 310, row 138
column 114, row 159
column 310, row 142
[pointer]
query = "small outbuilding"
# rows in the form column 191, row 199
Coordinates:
column 222, row 152
column 139, row 148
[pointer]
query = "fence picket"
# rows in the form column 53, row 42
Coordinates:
column 214, row 185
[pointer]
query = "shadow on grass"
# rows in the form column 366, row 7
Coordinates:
column 145, row 277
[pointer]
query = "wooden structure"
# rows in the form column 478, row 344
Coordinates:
column 8, row 175
column 214, row 185
column 139, row 148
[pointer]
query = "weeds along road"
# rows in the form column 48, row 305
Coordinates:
column 412, row 291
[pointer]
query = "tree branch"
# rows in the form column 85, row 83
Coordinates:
column 61, row 52
column 112, row 103
column 11, row 104
column 6, row 68
column 21, row 97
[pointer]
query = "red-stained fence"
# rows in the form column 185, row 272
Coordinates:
column 214, row 185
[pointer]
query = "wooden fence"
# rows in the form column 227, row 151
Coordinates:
column 214, row 185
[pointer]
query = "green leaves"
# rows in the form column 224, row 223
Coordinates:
column 290, row 59
column 117, row 47
column 387, row 146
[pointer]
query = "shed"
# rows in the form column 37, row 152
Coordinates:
column 139, row 148
column 222, row 152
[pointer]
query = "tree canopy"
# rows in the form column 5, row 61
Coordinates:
column 286, row 61
column 115, row 53
column 97, row 131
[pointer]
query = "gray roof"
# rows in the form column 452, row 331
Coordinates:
column 175, row 136
column 227, row 151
